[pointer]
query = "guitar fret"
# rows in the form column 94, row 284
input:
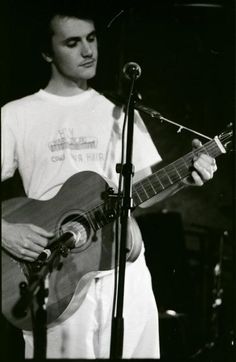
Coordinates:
column 140, row 192
column 136, row 197
column 214, row 149
column 144, row 189
column 185, row 162
column 159, row 184
column 148, row 188
column 205, row 148
column 188, row 159
column 172, row 172
column 177, row 170
column 164, row 177
column 182, row 168
column 152, row 186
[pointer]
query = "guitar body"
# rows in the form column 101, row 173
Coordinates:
column 82, row 193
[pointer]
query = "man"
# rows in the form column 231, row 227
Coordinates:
column 53, row 134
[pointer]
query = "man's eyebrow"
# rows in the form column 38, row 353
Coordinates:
column 93, row 32
column 72, row 38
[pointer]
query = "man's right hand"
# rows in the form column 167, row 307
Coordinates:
column 24, row 241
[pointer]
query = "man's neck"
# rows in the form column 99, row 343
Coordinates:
column 66, row 87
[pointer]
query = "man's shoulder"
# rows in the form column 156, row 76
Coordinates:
column 21, row 102
column 104, row 100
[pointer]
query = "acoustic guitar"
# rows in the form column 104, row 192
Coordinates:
column 83, row 209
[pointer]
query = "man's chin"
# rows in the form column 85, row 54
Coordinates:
column 89, row 74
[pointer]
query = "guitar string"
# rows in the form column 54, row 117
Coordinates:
column 172, row 173
column 91, row 213
column 209, row 147
column 82, row 215
column 176, row 171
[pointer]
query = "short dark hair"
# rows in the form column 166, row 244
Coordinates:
column 81, row 9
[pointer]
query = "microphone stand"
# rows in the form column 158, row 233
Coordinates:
column 40, row 324
column 132, row 71
column 127, row 170
column 36, row 288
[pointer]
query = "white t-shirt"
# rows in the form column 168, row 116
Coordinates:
column 50, row 138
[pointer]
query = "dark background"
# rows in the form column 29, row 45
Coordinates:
column 186, row 52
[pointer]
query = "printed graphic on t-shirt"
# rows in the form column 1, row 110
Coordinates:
column 66, row 140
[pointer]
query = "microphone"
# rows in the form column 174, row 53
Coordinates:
column 44, row 255
column 132, row 70
column 68, row 238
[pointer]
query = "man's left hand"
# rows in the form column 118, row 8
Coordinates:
column 204, row 167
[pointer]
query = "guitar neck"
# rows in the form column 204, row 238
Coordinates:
column 161, row 179
column 173, row 173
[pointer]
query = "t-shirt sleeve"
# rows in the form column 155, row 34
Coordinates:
column 145, row 153
column 8, row 146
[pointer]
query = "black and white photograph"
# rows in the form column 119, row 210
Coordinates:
column 118, row 180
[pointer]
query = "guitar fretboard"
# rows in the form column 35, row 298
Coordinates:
column 158, row 181
column 172, row 174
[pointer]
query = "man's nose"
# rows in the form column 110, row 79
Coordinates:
column 86, row 50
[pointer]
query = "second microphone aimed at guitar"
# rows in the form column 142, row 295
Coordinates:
column 44, row 255
column 73, row 233
column 67, row 238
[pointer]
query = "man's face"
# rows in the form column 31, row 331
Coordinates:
column 74, row 48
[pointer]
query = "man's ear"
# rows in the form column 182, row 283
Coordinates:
column 47, row 57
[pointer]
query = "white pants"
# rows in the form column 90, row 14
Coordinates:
column 86, row 334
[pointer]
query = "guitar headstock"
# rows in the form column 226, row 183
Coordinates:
column 226, row 137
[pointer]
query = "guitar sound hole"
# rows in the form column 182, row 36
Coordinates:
column 79, row 227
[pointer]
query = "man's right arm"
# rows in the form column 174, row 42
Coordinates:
column 24, row 241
